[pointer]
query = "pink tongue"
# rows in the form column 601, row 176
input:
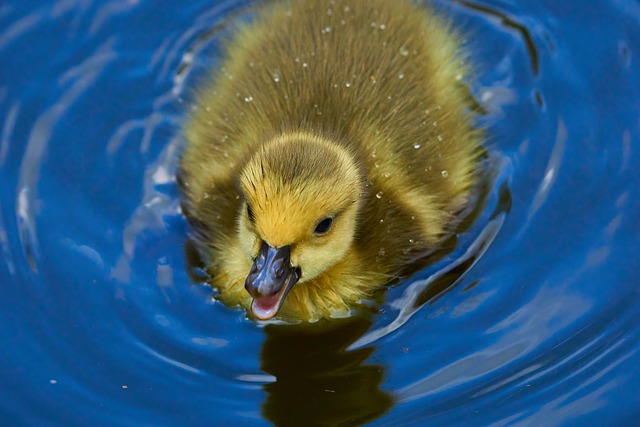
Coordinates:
column 265, row 307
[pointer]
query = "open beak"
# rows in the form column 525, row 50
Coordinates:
column 270, row 279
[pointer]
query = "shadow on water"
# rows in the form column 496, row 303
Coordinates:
column 317, row 381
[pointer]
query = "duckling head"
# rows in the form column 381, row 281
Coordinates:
column 302, row 197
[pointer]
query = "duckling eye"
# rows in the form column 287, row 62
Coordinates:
column 323, row 226
column 250, row 214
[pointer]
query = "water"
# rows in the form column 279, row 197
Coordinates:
column 531, row 317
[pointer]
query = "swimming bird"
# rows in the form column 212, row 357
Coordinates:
column 332, row 149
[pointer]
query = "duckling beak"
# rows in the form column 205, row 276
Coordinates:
column 270, row 279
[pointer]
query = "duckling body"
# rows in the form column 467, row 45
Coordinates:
column 334, row 146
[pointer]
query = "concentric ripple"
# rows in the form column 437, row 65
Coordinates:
column 528, row 316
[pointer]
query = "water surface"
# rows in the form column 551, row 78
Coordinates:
column 529, row 318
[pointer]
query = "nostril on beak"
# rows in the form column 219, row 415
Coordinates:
column 262, row 256
column 269, row 271
column 278, row 268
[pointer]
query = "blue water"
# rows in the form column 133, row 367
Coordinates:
column 530, row 318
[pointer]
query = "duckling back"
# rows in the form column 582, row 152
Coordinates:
column 380, row 78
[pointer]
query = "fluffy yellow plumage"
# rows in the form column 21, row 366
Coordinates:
column 328, row 154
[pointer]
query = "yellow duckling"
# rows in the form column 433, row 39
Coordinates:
column 329, row 153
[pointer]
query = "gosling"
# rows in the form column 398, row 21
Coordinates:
column 331, row 150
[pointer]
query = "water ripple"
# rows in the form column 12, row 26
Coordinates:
column 526, row 316
column 27, row 201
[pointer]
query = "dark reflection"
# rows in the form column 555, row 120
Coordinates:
column 511, row 23
column 196, row 268
column 318, row 382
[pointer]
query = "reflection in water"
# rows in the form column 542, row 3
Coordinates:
column 512, row 24
column 318, row 382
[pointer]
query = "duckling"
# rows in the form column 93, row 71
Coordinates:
column 329, row 153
